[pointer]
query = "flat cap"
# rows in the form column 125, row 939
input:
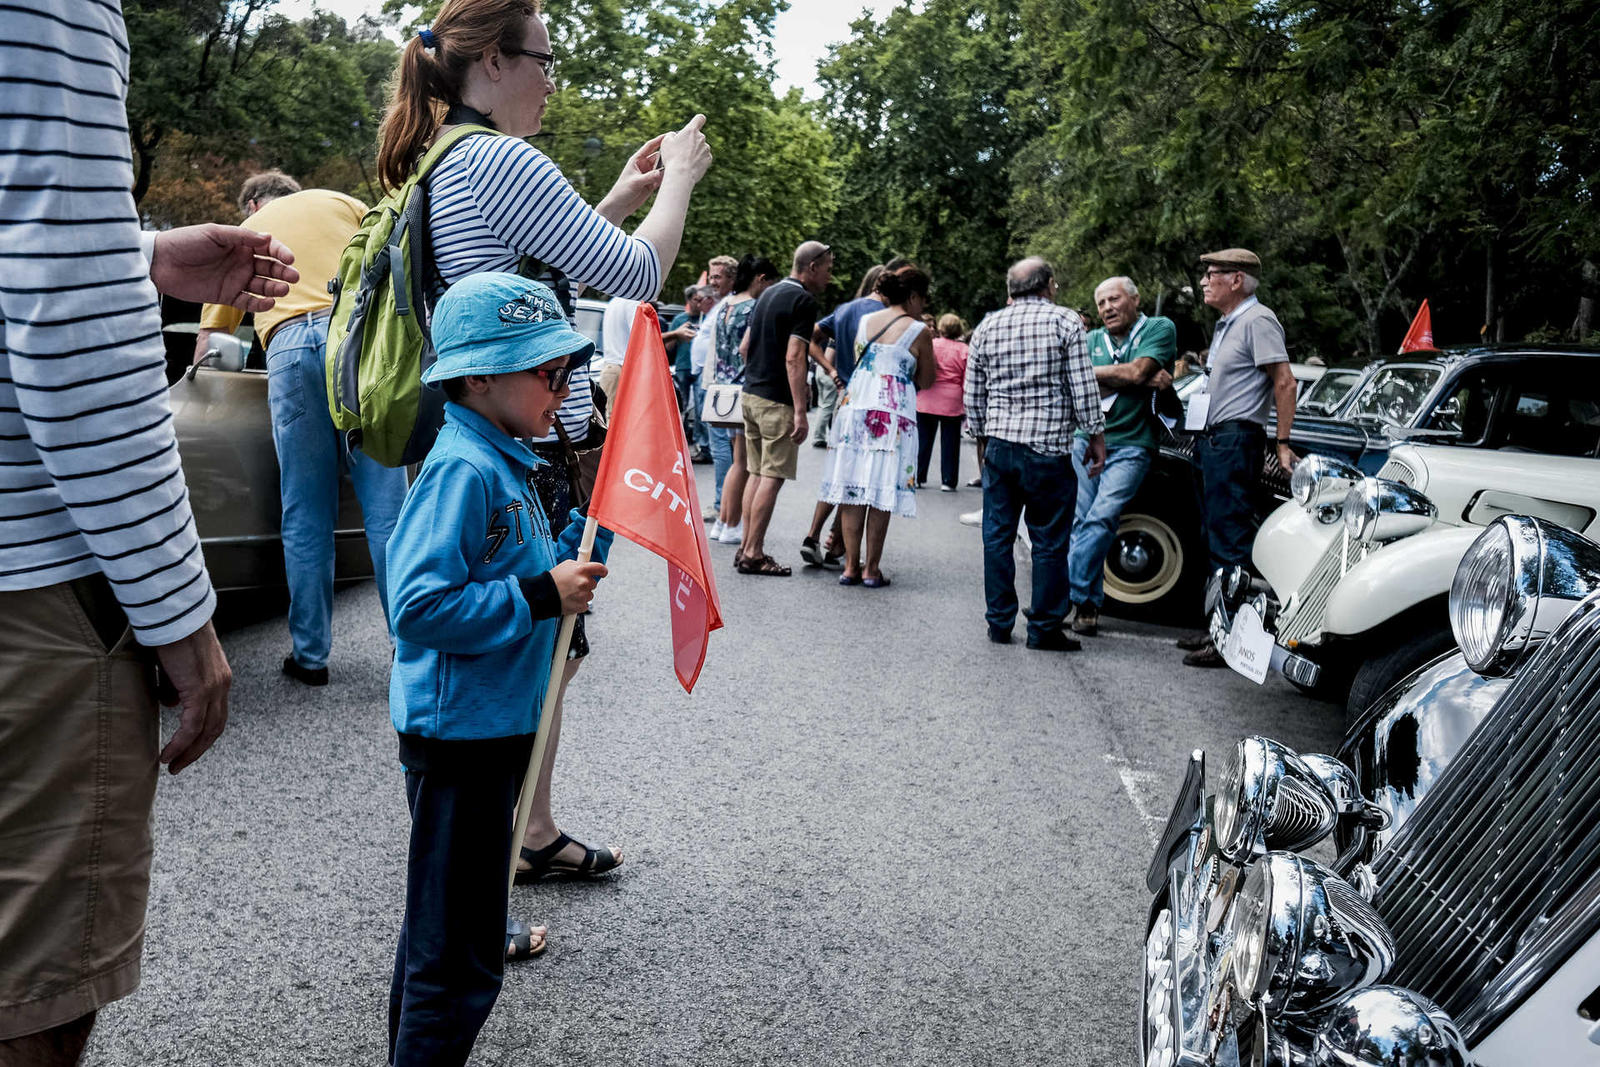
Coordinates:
column 1234, row 258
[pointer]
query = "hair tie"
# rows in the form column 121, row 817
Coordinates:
column 428, row 39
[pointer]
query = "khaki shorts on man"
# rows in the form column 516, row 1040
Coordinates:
column 770, row 451
column 75, row 841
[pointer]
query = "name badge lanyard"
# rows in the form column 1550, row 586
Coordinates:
column 1116, row 353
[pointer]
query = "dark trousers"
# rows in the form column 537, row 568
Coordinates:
column 1021, row 485
column 1230, row 457
column 448, row 967
column 949, row 426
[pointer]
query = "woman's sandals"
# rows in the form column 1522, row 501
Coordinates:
column 542, row 863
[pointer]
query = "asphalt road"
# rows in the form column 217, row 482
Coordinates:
column 869, row 836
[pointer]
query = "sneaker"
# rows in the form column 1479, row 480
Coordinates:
column 819, row 444
column 1087, row 620
column 700, row 455
column 307, row 675
column 972, row 518
column 1205, row 656
column 975, row 483
column 1054, row 641
column 811, row 553
column 947, row 488
column 709, row 514
column 716, row 531
column 732, row 535
column 998, row 635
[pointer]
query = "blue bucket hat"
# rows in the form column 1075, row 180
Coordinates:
column 496, row 323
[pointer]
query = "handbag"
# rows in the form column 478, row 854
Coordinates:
column 583, row 463
column 724, row 405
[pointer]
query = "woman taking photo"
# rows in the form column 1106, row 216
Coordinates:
column 750, row 280
column 871, row 469
column 494, row 200
column 940, row 406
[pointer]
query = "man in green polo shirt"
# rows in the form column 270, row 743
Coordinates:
column 1133, row 355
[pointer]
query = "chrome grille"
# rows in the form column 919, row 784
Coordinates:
column 1302, row 620
column 1496, row 876
column 1397, row 471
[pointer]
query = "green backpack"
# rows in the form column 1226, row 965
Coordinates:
column 378, row 342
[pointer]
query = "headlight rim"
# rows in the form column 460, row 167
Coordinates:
column 1381, row 510
column 1319, row 481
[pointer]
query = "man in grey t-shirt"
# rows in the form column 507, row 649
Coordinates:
column 1248, row 376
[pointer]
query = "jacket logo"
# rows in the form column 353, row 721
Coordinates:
column 529, row 308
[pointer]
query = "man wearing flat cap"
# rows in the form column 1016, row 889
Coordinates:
column 1248, row 379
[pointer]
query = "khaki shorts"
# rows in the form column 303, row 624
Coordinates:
column 78, row 745
column 769, row 452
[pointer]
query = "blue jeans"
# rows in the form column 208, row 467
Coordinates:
column 311, row 458
column 721, row 456
column 1230, row 465
column 1100, row 504
column 1019, row 485
column 699, row 438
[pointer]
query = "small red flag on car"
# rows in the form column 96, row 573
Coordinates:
column 1420, row 336
column 645, row 491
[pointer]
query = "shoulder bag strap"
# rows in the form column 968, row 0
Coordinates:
column 569, row 456
column 885, row 329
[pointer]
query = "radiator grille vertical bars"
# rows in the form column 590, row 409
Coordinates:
column 1508, row 835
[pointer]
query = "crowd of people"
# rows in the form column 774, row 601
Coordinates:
column 109, row 601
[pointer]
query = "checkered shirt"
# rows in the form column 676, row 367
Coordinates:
column 1029, row 377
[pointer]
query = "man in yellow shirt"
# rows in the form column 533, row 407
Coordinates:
column 316, row 224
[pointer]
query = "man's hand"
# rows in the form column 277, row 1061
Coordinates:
column 575, row 582
column 214, row 264
column 1094, row 457
column 1287, row 459
column 1160, row 380
column 199, row 671
column 801, row 428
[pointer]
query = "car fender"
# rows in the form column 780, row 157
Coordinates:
column 1395, row 578
column 1288, row 546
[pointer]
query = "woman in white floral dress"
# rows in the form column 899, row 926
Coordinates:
column 871, row 469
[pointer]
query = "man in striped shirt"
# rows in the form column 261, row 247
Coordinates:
column 1030, row 386
column 100, row 566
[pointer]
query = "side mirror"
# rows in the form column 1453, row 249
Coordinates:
column 224, row 351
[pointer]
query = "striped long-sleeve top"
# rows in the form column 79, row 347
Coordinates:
column 89, row 472
column 493, row 200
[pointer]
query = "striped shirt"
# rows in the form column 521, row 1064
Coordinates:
column 89, row 472
column 493, row 200
column 1029, row 377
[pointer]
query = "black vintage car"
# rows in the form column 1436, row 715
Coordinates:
column 1531, row 399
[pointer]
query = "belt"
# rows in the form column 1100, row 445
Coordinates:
column 304, row 316
column 1232, row 424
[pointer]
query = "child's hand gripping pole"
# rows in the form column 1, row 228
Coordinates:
column 541, row 737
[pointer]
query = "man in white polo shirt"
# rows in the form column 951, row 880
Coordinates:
column 1248, row 377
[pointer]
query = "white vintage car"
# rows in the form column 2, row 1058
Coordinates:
column 1357, row 569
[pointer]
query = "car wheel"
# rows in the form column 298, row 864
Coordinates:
column 1376, row 675
column 1150, row 570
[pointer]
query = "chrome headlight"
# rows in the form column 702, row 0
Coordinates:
column 1266, row 798
column 1386, row 1025
column 1300, row 937
column 1319, row 482
column 1380, row 510
column 1518, row 582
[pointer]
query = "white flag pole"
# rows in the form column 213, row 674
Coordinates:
column 541, row 737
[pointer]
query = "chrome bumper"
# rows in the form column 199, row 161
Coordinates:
column 1293, row 666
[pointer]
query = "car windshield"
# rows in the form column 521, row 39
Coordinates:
column 1394, row 394
column 1324, row 395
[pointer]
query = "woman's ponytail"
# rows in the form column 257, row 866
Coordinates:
column 413, row 117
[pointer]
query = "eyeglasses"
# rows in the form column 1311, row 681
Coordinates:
column 1217, row 272
column 547, row 62
column 820, row 256
column 555, row 377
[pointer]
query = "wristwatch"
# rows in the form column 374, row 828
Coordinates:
column 1283, row 441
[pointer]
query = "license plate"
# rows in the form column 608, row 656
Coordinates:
column 1248, row 647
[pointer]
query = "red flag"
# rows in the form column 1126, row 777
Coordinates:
column 1420, row 336
column 645, row 491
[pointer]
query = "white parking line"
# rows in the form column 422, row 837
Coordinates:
column 1135, row 784
column 1149, row 639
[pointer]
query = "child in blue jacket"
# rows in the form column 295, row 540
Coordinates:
column 477, row 588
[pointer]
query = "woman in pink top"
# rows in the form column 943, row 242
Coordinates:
column 940, row 406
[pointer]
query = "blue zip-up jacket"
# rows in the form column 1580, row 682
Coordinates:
column 474, row 611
